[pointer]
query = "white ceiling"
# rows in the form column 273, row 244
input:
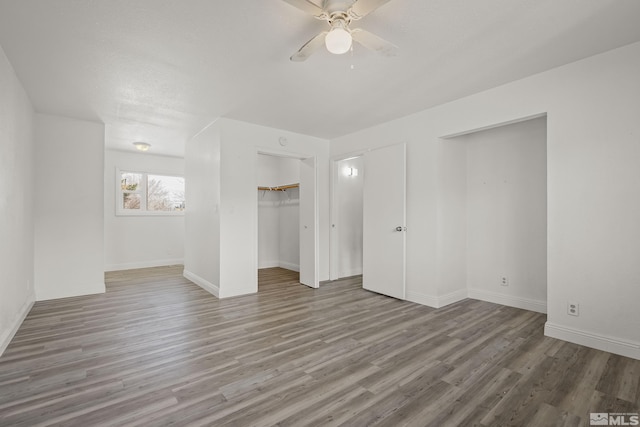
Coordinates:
column 161, row 70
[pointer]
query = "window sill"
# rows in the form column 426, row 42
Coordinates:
column 149, row 213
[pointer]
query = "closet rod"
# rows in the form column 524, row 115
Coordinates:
column 279, row 188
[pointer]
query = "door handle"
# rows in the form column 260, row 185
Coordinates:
column 399, row 228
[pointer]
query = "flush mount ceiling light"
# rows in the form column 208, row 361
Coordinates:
column 142, row 146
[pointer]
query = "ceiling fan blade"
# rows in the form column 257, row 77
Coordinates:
column 309, row 48
column 362, row 8
column 374, row 43
column 306, row 6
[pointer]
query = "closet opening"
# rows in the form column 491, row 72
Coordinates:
column 499, row 181
column 287, row 237
column 278, row 193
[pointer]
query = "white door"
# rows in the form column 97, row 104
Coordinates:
column 384, row 221
column 308, row 223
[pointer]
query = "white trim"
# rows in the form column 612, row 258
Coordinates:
column 144, row 264
column 422, row 299
column 334, row 248
column 269, row 264
column 289, row 266
column 495, row 125
column 349, row 273
column 283, row 153
column 452, row 297
column 50, row 294
column 508, row 300
column 281, row 264
column 589, row 339
column 6, row 337
column 204, row 284
column 437, row 301
column 131, row 212
column 350, row 155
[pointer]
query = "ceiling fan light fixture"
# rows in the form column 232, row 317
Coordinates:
column 338, row 41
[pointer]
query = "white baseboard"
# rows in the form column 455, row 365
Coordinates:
column 143, row 264
column 268, row 264
column 204, row 284
column 508, row 300
column 281, row 264
column 289, row 266
column 423, row 299
column 589, row 339
column 452, row 297
column 7, row 336
column 278, row 203
column 349, row 273
column 437, row 301
column 83, row 290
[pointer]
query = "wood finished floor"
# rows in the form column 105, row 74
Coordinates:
column 158, row 350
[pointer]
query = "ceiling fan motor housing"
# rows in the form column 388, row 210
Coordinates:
column 337, row 6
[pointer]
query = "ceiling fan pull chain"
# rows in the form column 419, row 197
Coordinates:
column 352, row 66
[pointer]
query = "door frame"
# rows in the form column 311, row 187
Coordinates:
column 316, row 223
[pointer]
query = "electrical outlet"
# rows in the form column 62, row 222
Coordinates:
column 573, row 309
column 504, row 281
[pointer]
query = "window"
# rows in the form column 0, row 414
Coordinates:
column 142, row 193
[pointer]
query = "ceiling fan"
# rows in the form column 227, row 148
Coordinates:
column 339, row 38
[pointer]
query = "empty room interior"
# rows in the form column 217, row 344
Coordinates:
column 320, row 212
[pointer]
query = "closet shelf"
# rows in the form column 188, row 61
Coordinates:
column 279, row 188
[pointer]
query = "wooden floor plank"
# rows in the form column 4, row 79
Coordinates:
column 157, row 350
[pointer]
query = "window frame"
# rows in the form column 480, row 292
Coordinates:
column 142, row 190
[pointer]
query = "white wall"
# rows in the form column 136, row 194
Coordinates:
column 451, row 218
column 593, row 153
column 348, row 211
column 16, row 203
column 233, row 211
column 507, row 214
column 202, row 214
column 273, row 170
column 140, row 241
column 240, row 144
column 69, row 207
column 278, row 213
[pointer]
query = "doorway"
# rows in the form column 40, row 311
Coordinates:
column 369, row 219
column 347, row 217
column 278, row 212
column 287, row 219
